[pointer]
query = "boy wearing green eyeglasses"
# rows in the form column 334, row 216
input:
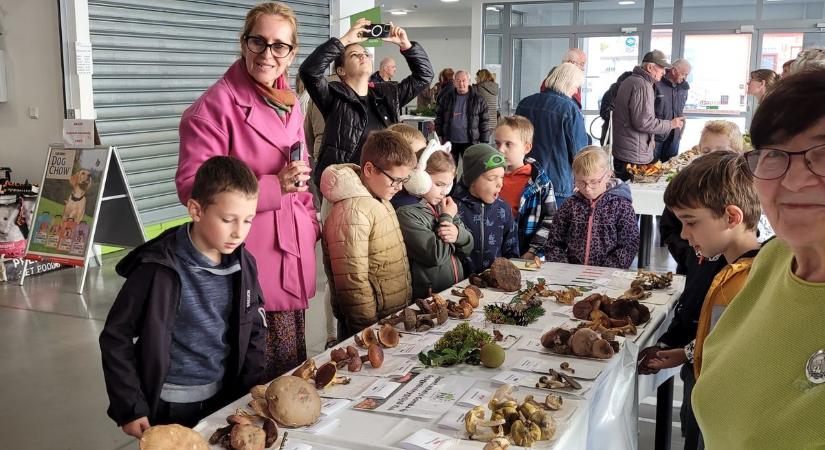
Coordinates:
column 364, row 254
column 483, row 212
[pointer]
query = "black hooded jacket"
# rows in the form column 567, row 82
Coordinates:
column 137, row 337
column 344, row 114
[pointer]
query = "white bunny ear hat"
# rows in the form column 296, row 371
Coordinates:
column 420, row 182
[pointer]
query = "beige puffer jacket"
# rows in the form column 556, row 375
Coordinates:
column 364, row 253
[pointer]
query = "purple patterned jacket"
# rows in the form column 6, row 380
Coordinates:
column 601, row 232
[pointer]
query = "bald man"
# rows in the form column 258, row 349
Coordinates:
column 385, row 71
column 576, row 57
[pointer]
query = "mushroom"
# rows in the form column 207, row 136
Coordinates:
column 306, row 371
column 581, row 342
column 506, row 275
column 410, row 321
column 438, row 300
column 258, row 391
column 326, row 376
column 601, row 349
column 424, row 322
column 545, row 425
column 520, row 434
column 237, row 419
column 247, row 437
column 338, row 355
column 442, row 313
column 292, row 401
column 271, row 431
column 258, row 405
column 424, row 306
column 375, row 356
column 554, row 337
column 368, row 337
column 474, row 420
column 582, row 309
column 354, row 364
column 388, row 336
column 499, row 443
column 553, row 402
column 471, row 296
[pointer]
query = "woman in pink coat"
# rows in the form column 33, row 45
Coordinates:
column 251, row 114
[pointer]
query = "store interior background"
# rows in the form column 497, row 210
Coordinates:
column 54, row 396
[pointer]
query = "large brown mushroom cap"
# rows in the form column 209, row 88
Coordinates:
column 582, row 309
column 581, row 342
column 368, row 336
column 325, row 374
column 506, row 275
column 306, row 371
column 375, row 356
column 388, row 336
column 409, row 319
column 602, row 349
column 293, row 402
column 163, row 437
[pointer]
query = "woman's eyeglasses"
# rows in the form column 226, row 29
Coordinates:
column 772, row 163
column 257, row 44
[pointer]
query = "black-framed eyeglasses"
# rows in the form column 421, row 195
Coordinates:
column 394, row 182
column 257, row 44
column 772, row 163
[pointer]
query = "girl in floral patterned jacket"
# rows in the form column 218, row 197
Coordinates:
column 597, row 225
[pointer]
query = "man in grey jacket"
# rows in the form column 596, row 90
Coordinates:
column 634, row 117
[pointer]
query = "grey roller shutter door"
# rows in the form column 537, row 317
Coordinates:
column 152, row 59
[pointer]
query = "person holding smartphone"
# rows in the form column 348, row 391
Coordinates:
column 353, row 107
column 252, row 114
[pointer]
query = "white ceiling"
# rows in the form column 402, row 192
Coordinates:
column 428, row 6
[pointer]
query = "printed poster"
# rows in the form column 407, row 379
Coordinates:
column 427, row 396
column 68, row 205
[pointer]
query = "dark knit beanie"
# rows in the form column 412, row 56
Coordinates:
column 478, row 159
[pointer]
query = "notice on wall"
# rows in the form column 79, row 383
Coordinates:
column 83, row 58
column 79, row 133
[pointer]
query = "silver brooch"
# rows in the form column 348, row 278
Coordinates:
column 815, row 368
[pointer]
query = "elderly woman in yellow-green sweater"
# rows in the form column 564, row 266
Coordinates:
column 763, row 374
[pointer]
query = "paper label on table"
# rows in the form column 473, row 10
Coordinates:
column 427, row 396
column 297, row 446
column 427, row 440
column 454, row 419
column 330, row 406
column 381, row 389
column 530, row 365
column 581, row 369
column 475, row 397
column 392, row 367
column 320, row 426
column 507, row 377
column 357, row 385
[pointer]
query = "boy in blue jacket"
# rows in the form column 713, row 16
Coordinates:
column 487, row 216
column 186, row 334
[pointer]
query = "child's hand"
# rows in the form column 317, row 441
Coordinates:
column 136, row 427
column 448, row 232
column 665, row 359
column 448, row 206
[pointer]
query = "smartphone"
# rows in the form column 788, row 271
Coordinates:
column 296, row 153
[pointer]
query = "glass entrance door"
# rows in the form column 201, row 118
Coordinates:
column 607, row 58
column 532, row 60
column 718, row 80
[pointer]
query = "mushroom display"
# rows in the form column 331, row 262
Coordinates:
column 164, row 437
column 652, row 280
column 502, row 274
column 326, row 375
column 388, row 336
column 524, row 423
column 594, row 306
column 243, row 434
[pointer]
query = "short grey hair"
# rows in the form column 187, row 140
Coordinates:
column 564, row 79
column 812, row 58
column 572, row 54
column 646, row 65
column 461, row 72
column 385, row 62
column 681, row 62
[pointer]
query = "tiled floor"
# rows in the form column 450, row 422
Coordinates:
column 53, row 396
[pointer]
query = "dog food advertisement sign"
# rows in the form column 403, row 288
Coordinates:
column 66, row 210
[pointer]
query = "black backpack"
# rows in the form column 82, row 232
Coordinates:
column 608, row 103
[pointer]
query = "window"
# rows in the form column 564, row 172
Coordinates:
column 778, row 48
column 543, row 15
column 607, row 58
column 718, row 10
column 663, row 12
column 492, row 16
column 662, row 39
column 612, row 12
column 793, row 10
column 717, row 84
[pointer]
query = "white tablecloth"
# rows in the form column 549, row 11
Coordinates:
column 648, row 198
column 608, row 412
